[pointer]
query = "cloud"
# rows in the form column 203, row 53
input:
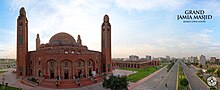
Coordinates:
column 130, row 35
column 146, row 5
column 75, row 17
column 2, row 50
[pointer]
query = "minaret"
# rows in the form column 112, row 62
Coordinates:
column 22, row 43
column 37, row 42
column 79, row 40
column 106, row 45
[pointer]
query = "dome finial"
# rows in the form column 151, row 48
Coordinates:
column 22, row 12
column 79, row 40
column 106, row 18
column 38, row 36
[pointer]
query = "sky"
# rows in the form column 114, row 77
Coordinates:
column 139, row 27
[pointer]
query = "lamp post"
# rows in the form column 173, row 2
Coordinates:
column 3, row 79
column 3, row 82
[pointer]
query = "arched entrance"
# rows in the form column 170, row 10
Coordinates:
column 80, row 68
column 90, row 72
column 91, row 67
column 39, row 73
column 66, row 69
column 51, row 69
column 52, row 74
column 79, row 73
column 66, row 74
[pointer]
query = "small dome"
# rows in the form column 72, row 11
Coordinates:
column 62, row 39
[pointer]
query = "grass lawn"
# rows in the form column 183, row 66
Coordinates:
column 131, row 69
column 141, row 72
column 2, row 71
column 9, row 88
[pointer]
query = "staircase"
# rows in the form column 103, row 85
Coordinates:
column 48, row 83
column 69, row 83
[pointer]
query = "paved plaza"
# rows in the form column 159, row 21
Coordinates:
column 118, row 72
column 10, row 78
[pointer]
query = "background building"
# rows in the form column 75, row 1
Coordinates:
column 148, row 57
column 133, row 57
column 202, row 60
column 168, row 58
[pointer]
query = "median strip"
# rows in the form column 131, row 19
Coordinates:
column 183, row 82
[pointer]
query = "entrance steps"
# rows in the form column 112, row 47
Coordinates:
column 68, row 83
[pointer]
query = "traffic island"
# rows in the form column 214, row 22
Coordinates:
column 183, row 83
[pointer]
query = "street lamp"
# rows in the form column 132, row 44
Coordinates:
column 3, row 79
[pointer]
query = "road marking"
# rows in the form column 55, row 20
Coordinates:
column 168, row 72
column 177, row 76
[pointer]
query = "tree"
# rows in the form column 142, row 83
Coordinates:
column 210, row 70
column 115, row 82
column 170, row 66
column 184, row 82
column 200, row 72
column 218, row 73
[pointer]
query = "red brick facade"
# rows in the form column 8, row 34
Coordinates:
column 63, row 56
column 135, row 64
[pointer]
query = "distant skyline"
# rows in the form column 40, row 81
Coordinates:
column 139, row 28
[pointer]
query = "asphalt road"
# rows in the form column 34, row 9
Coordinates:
column 194, row 81
column 152, row 82
column 170, row 79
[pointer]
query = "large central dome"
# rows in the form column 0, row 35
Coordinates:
column 62, row 38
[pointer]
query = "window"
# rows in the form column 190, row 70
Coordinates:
column 66, row 64
column 39, row 63
column 31, row 71
column 89, row 63
column 51, row 63
column 79, row 64
column 66, row 52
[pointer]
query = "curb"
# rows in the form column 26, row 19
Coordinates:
column 202, row 81
column 177, row 80
column 187, row 80
column 186, row 76
column 200, row 78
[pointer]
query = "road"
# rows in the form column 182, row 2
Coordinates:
column 194, row 81
column 170, row 79
column 151, row 83
column 158, row 81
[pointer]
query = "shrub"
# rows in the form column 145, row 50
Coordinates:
column 32, row 80
column 184, row 82
column 115, row 83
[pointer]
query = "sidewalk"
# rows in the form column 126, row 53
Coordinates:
column 133, row 85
